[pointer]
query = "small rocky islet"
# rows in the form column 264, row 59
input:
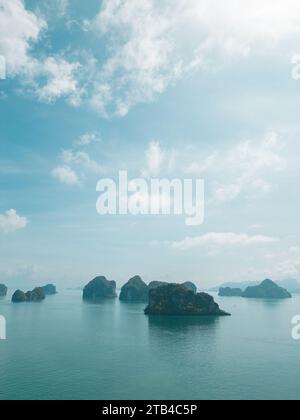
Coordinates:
column 38, row 294
column 35, row 295
column 100, row 288
column 135, row 290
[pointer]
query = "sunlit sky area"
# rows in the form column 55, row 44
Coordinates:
column 172, row 89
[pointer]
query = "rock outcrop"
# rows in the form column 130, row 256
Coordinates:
column 266, row 290
column 190, row 286
column 175, row 299
column 229, row 292
column 49, row 289
column 135, row 290
column 98, row 289
column 3, row 290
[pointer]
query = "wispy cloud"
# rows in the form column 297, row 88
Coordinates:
column 245, row 167
column 222, row 240
column 86, row 139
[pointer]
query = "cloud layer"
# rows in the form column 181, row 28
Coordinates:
column 148, row 46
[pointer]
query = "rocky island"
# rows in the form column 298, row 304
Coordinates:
column 3, row 290
column 36, row 295
column 266, row 290
column 175, row 299
column 49, row 289
column 230, row 292
column 135, row 290
column 98, row 289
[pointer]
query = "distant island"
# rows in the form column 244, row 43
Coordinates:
column 291, row 285
column 49, row 289
column 3, row 290
column 100, row 288
column 36, row 295
column 176, row 299
column 135, row 290
column 266, row 290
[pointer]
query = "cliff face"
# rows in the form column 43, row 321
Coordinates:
column 3, row 290
column 174, row 299
column 229, row 292
column 135, row 290
column 266, row 290
column 98, row 289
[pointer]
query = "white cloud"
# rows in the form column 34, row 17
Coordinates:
column 11, row 221
column 142, row 62
column 60, row 82
column 47, row 78
column 19, row 29
column 222, row 240
column 66, row 175
column 239, row 27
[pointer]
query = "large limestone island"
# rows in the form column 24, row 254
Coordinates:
column 98, row 289
column 135, row 290
column 230, row 292
column 266, row 290
column 36, row 295
column 49, row 289
column 3, row 290
column 176, row 299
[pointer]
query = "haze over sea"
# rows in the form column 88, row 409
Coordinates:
column 64, row 348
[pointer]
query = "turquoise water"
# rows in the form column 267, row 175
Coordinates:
column 66, row 349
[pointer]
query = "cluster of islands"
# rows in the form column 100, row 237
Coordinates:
column 161, row 298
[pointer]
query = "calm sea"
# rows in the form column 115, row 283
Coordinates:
column 66, row 349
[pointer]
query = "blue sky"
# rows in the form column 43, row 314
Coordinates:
column 190, row 88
